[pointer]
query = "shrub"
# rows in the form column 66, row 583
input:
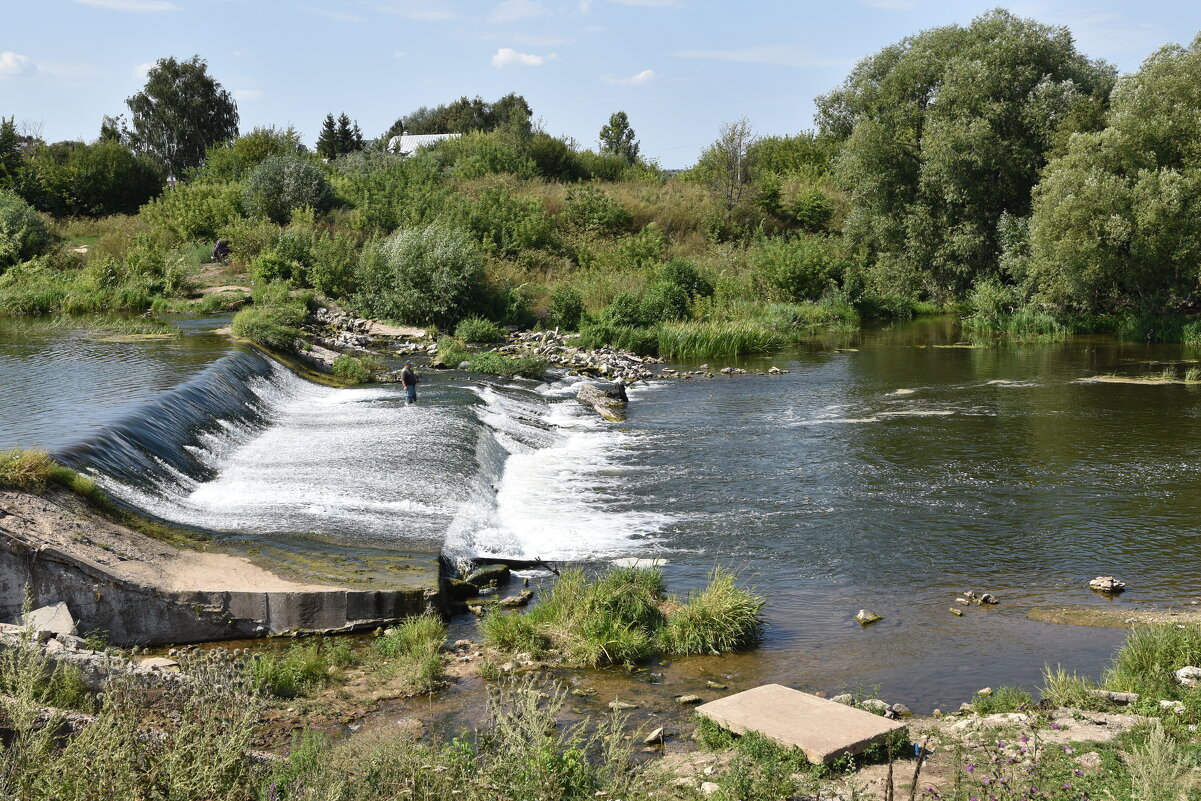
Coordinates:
column 271, row 265
column 624, row 310
column 194, row 211
column 281, row 184
column 270, row 327
column 644, row 249
column 452, row 352
column 507, row 366
column 95, row 180
column 799, row 269
column 507, row 224
column 566, row 309
column 589, row 208
column 685, row 275
column 662, row 302
column 231, row 161
column 355, row 369
column 720, row 618
column 477, row 329
column 420, row 275
column 332, row 269
column 22, row 233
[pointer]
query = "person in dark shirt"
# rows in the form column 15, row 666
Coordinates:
column 409, row 380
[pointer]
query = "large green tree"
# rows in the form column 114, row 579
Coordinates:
column 945, row 132
column 464, row 116
column 618, row 138
column 181, row 112
column 76, row 179
column 1116, row 221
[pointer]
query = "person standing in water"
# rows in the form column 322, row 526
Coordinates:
column 409, row 380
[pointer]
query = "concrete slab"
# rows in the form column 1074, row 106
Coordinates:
column 822, row 729
column 56, row 618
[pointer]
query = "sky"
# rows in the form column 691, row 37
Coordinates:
column 678, row 68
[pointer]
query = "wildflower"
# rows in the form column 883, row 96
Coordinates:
column 1056, row 726
column 1024, row 739
column 970, row 769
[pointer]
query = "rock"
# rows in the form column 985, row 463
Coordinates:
column 475, row 609
column 688, row 699
column 709, row 788
column 963, row 601
column 160, row 663
column 936, row 714
column 1107, row 584
column 585, row 692
column 520, row 599
column 1173, row 706
column 1189, row 676
column 1114, row 697
column 654, row 738
column 984, row 691
column 965, row 709
column 989, row 598
column 845, row 699
column 619, row 705
column 489, row 574
column 54, row 618
column 459, row 590
column 461, row 644
column 957, row 612
column 874, row 705
column 866, row 618
column 608, row 406
column 902, row 711
column 1089, row 761
column 773, row 370
column 712, row 685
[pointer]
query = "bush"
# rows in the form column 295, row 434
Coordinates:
column 799, row 269
column 566, row 309
column 507, row 224
column 416, row 647
column 720, row 618
column 270, row 327
column 624, row 310
column 22, row 233
column 95, row 180
column 477, row 329
column 355, row 369
column 507, row 366
column 420, row 276
column 194, row 211
column 231, row 161
column 271, row 265
column 663, row 301
column 684, row 275
column 589, row 208
column 281, row 184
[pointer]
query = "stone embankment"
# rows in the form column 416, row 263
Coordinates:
column 144, row 591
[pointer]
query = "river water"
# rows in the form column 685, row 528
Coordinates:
column 889, row 470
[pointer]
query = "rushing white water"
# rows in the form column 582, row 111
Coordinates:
column 470, row 470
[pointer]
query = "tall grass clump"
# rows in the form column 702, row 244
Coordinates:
column 1151, row 655
column 300, row 669
column 415, row 650
column 507, row 366
column 700, row 340
column 356, row 369
column 1002, row 699
column 274, row 319
column 513, row 633
column 477, row 329
column 1064, row 689
column 720, row 618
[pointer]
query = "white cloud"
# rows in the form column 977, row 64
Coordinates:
column 399, row 54
column 776, row 55
column 247, row 94
column 651, row 3
column 513, row 10
column 585, row 6
column 141, row 6
column 507, row 56
column 890, row 5
column 419, row 10
column 142, row 70
column 339, row 16
column 646, row 76
column 14, row 65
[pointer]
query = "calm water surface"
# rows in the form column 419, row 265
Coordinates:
column 891, row 472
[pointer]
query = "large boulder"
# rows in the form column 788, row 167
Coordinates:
column 608, row 403
column 55, row 618
column 485, row 575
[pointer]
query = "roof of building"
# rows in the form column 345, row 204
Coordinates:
column 407, row 143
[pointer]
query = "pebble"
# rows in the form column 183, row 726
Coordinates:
column 655, row 737
column 956, row 612
column 713, row 685
column 688, row 699
column 618, row 705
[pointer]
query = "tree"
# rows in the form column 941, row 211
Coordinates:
column 726, row 165
column 617, row 137
column 1116, row 221
column 231, row 161
column 327, row 140
column 464, row 116
column 94, row 180
column 946, row 131
column 281, row 184
column 10, row 155
column 180, row 113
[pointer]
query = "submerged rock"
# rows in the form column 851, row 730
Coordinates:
column 688, row 699
column 866, row 618
column 619, row 705
column 607, row 403
column 956, row 612
column 489, row 574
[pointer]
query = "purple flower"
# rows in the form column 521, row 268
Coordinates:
column 1024, row 739
column 1055, row 726
column 971, row 768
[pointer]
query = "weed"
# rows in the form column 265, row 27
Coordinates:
column 1146, row 663
column 356, row 369
column 507, row 366
column 415, row 648
column 1002, row 699
column 477, row 329
column 1064, row 689
column 720, row 618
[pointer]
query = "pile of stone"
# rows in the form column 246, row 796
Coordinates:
column 339, row 331
column 554, row 348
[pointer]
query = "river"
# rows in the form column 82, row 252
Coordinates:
column 889, row 470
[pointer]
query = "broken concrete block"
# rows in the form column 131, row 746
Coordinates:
column 55, row 618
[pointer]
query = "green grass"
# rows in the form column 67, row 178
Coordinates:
column 1148, row 660
column 722, row 617
column 452, row 352
column 414, row 651
column 624, row 616
column 1002, row 699
column 302, row 668
column 1064, row 689
column 702, row 340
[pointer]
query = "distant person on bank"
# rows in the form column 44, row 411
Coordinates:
column 409, row 380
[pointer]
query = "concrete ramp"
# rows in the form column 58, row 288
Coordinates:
column 822, row 729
